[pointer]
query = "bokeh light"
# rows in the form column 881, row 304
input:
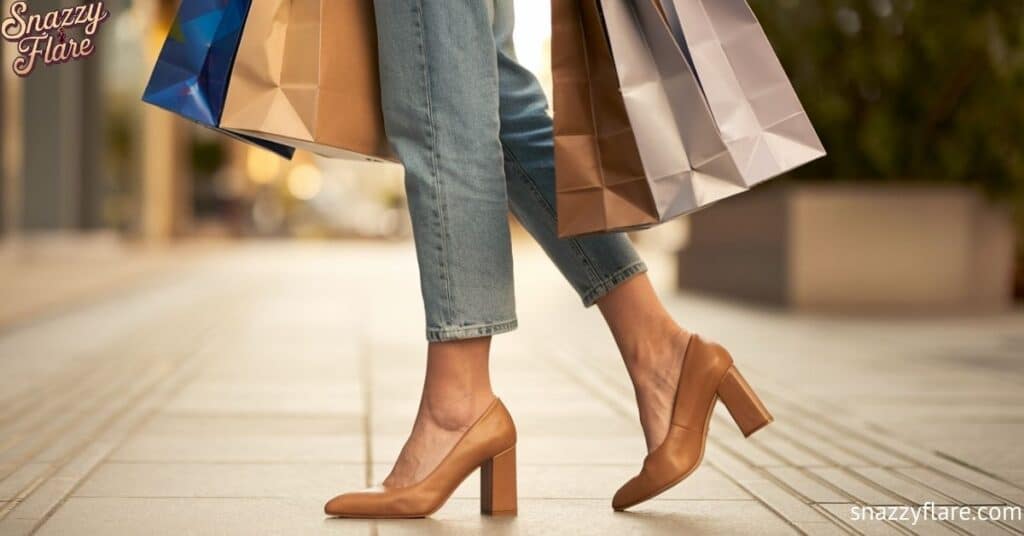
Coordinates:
column 305, row 181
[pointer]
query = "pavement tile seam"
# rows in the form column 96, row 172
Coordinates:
column 852, row 457
column 796, row 494
column 833, row 510
column 93, row 385
column 951, row 466
column 927, row 482
column 30, row 445
column 602, row 386
column 866, row 491
column 61, row 425
column 814, row 478
column 74, row 375
column 38, row 401
column 823, row 529
column 91, row 375
column 846, row 431
column 117, row 388
column 808, row 485
column 899, row 481
column 163, row 375
column 819, row 418
column 905, row 499
column 781, row 499
column 967, row 478
column 65, row 486
column 366, row 371
column 901, row 460
column 826, row 429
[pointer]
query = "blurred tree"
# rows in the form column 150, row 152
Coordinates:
column 908, row 89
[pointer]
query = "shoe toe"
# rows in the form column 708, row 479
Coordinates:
column 627, row 495
column 354, row 504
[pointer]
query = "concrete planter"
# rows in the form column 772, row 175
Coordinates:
column 854, row 247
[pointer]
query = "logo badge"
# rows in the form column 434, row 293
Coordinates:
column 45, row 38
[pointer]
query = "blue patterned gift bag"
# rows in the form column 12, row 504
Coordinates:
column 191, row 75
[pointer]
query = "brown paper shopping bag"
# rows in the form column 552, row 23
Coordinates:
column 306, row 75
column 600, row 181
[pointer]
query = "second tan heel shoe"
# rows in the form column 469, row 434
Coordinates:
column 490, row 444
column 707, row 374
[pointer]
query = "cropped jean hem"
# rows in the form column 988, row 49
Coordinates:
column 470, row 332
column 609, row 283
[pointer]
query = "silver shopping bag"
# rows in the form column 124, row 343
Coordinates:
column 753, row 102
column 693, row 156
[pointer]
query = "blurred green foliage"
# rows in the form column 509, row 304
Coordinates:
column 909, row 89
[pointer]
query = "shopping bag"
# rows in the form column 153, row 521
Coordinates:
column 691, row 157
column 686, row 163
column 306, row 75
column 191, row 74
column 753, row 102
column 600, row 181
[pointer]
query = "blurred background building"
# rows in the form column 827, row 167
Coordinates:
column 83, row 154
column 920, row 105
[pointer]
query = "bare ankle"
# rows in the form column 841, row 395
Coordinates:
column 458, row 386
column 455, row 412
column 655, row 349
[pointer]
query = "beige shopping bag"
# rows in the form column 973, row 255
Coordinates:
column 600, row 179
column 306, row 75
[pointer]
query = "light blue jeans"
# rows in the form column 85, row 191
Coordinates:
column 471, row 127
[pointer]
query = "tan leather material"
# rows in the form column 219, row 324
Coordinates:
column 698, row 382
column 707, row 368
column 498, row 494
column 491, row 436
column 745, row 407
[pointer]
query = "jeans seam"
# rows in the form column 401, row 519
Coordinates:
column 535, row 190
column 438, row 184
column 475, row 330
column 604, row 286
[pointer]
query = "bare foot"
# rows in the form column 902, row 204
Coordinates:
column 654, row 370
column 441, row 422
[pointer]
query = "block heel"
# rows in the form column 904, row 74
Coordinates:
column 498, row 485
column 743, row 404
column 707, row 376
column 492, row 432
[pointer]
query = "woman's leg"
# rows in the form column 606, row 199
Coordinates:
column 592, row 265
column 439, row 84
column 457, row 389
column 652, row 345
column 603, row 269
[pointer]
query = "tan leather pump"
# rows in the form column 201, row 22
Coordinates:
column 490, row 444
column 707, row 374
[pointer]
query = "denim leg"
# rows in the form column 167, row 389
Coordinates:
column 439, row 85
column 593, row 265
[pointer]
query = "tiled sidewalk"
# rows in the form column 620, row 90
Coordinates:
column 238, row 395
column 53, row 273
